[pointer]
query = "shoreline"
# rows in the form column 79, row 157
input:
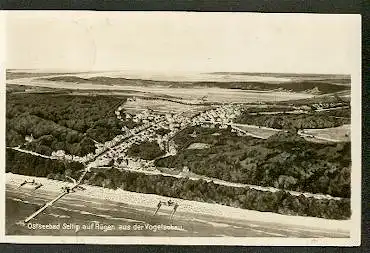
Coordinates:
column 187, row 206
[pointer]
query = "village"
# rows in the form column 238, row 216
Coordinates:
column 161, row 128
column 150, row 127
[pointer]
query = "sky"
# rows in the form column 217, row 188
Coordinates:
column 182, row 41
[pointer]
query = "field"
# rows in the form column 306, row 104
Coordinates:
column 198, row 145
column 158, row 106
column 341, row 133
column 262, row 132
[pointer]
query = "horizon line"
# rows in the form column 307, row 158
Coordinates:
column 62, row 70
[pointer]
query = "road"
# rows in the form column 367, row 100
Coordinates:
column 80, row 210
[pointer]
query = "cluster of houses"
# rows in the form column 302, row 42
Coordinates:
column 150, row 124
column 146, row 131
column 151, row 127
column 61, row 155
column 222, row 115
column 320, row 106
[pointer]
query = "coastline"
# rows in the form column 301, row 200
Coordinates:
column 187, row 206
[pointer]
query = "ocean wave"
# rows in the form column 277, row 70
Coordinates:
column 105, row 209
column 125, row 219
column 84, row 212
column 64, row 208
column 59, row 216
column 92, row 202
column 20, row 223
column 77, row 205
column 105, row 216
column 19, row 200
column 214, row 224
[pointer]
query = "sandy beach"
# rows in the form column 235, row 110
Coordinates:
column 150, row 201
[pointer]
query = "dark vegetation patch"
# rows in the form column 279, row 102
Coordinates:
column 15, row 75
column 258, row 109
column 344, row 112
column 62, row 121
column 145, row 150
column 198, row 190
column 294, row 121
column 329, row 98
column 163, row 131
column 30, row 165
column 285, row 161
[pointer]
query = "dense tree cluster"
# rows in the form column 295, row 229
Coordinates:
column 284, row 161
column 200, row 190
column 345, row 113
column 163, row 131
column 291, row 121
column 335, row 98
column 270, row 108
column 66, row 122
column 145, row 150
column 30, row 165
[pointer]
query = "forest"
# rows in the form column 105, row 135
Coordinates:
column 285, row 161
column 145, row 150
column 294, row 121
column 198, row 190
column 30, row 165
column 60, row 121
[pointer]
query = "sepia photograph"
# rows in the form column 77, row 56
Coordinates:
column 181, row 128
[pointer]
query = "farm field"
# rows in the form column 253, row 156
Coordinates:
column 159, row 106
column 262, row 132
column 341, row 133
column 198, row 145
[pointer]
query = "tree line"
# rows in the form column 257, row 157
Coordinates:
column 292, row 121
column 198, row 190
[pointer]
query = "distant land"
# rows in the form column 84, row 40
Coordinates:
column 314, row 87
column 316, row 84
column 304, row 75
